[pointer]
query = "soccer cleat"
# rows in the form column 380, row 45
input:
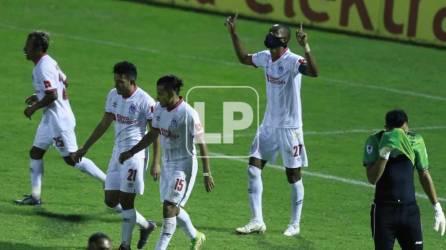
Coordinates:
column 29, row 200
column 144, row 234
column 252, row 227
column 123, row 247
column 292, row 230
column 197, row 243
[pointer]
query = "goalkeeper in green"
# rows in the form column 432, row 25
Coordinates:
column 390, row 157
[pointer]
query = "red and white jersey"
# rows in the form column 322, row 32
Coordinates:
column 48, row 77
column 178, row 128
column 131, row 117
column 283, row 82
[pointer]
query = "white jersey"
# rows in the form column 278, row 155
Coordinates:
column 48, row 77
column 178, row 128
column 131, row 117
column 283, row 82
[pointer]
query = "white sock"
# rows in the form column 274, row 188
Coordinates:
column 128, row 223
column 141, row 221
column 168, row 229
column 255, row 189
column 297, row 201
column 185, row 224
column 36, row 168
column 88, row 166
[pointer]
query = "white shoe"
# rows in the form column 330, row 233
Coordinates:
column 292, row 230
column 252, row 227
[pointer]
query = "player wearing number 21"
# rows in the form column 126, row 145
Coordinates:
column 179, row 127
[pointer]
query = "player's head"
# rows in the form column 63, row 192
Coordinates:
column 278, row 37
column 125, row 76
column 397, row 118
column 99, row 241
column 168, row 88
column 36, row 45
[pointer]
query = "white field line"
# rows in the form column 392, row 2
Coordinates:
column 224, row 62
column 321, row 175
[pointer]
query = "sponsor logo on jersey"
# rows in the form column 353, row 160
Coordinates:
column 125, row 119
column 274, row 80
column 168, row 133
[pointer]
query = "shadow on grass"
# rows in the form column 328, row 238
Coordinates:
column 20, row 246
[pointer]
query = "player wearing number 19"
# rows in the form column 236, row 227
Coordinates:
column 58, row 122
column 179, row 127
column 281, row 128
column 131, row 109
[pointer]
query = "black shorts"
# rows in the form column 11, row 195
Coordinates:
column 390, row 221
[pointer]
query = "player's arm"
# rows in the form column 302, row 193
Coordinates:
column 48, row 99
column 148, row 139
column 240, row 51
column 428, row 185
column 376, row 170
column 309, row 68
column 155, row 167
column 208, row 180
column 97, row 133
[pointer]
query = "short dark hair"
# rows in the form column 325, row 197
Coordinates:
column 41, row 40
column 171, row 82
column 97, row 237
column 396, row 118
column 126, row 68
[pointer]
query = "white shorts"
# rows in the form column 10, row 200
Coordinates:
column 63, row 141
column 288, row 141
column 127, row 177
column 177, row 180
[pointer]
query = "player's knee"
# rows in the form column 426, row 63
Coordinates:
column 36, row 153
column 293, row 175
column 257, row 162
column 170, row 209
column 69, row 161
column 111, row 203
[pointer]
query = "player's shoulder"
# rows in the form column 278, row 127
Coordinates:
column 414, row 136
column 291, row 56
column 112, row 93
column 145, row 96
column 375, row 137
column 45, row 63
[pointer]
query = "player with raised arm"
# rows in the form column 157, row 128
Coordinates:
column 57, row 124
column 131, row 109
column 179, row 126
column 281, row 129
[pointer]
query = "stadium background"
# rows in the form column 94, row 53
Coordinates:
column 360, row 80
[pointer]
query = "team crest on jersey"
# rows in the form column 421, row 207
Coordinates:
column 158, row 118
column 369, row 149
column 173, row 123
column 115, row 104
column 132, row 109
column 280, row 70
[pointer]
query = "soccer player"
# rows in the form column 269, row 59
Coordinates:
column 281, row 129
column 58, row 122
column 131, row 109
column 179, row 126
column 390, row 157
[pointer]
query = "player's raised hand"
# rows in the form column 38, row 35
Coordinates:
column 30, row 100
column 230, row 23
column 155, row 171
column 301, row 36
column 208, row 183
column 125, row 156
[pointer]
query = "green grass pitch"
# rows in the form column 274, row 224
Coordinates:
column 360, row 79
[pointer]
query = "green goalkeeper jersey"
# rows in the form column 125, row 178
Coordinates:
column 411, row 144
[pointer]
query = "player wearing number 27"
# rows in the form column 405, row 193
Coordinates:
column 281, row 129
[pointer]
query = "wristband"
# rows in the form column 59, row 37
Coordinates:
column 437, row 207
column 385, row 152
column 207, row 174
column 307, row 48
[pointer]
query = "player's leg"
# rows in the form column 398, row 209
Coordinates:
column 42, row 141
column 113, row 184
column 384, row 222
column 409, row 234
column 170, row 211
column 263, row 149
column 132, row 183
column 294, row 158
column 66, row 144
